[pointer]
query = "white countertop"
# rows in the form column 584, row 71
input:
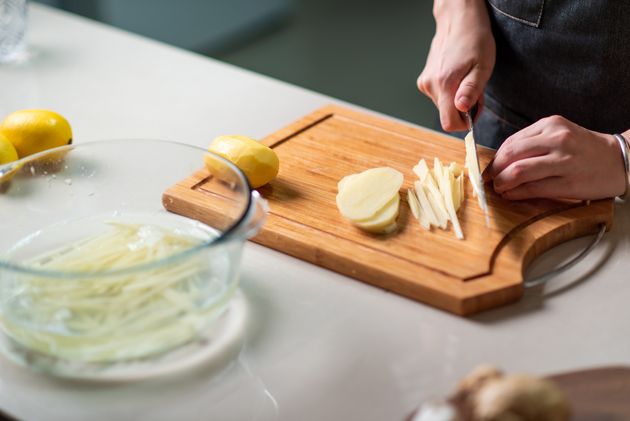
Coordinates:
column 318, row 345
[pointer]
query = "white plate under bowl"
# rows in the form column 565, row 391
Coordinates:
column 217, row 346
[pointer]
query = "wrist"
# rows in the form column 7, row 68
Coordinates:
column 467, row 12
column 621, row 141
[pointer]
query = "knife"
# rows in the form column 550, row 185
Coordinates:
column 471, row 149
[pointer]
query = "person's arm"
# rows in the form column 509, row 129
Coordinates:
column 555, row 158
column 460, row 60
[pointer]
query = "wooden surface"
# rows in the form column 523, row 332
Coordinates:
column 464, row 277
column 601, row 394
column 598, row 394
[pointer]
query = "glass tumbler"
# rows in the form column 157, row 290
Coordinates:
column 13, row 15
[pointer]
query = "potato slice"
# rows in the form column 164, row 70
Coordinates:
column 473, row 169
column 362, row 196
column 414, row 205
column 433, row 192
column 343, row 181
column 385, row 230
column 437, row 170
column 440, row 193
column 461, row 189
column 455, row 169
column 454, row 189
column 425, row 205
column 445, row 180
column 416, row 209
column 384, row 219
column 421, row 169
column 437, row 204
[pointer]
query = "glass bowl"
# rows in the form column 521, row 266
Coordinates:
column 95, row 271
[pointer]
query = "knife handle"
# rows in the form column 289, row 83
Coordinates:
column 474, row 110
column 470, row 116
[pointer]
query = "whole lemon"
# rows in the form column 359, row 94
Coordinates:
column 259, row 163
column 7, row 151
column 7, row 154
column 33, row 131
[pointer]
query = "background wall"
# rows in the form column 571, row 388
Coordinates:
column 192, row 24
column 368, row 52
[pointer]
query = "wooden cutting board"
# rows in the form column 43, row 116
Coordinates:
column 464, row 277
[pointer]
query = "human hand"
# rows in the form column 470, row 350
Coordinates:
column 460, row 60
column 555, row 158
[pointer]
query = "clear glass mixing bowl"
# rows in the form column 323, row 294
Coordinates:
column 97, row 268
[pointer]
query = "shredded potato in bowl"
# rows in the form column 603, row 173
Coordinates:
column 115, row 312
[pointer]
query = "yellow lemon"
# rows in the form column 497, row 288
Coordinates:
column 7, row 151
column 33, row 131
column 7, row 154
column 259, row 163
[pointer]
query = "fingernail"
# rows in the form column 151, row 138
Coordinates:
column 464, row 101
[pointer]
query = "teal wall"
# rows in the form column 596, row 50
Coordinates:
column 368, row 52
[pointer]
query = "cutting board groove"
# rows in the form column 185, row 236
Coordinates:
column 464, row 277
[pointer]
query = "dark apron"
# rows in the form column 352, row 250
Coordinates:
column 566, row 57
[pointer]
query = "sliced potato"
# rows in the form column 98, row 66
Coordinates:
column 417, row 211
column 425, row 205
column 454, row 189
column 385, row 230
column 439, row 193
column 343, row 181
column 455, row 169
column 437, row 169
column 382, row 221
column 441, row 176
column 437, row 204
column 363, row 195
column 462, row 191
column 471, row 165
column 433, row 192
column 414, row 205
column 444, row 181
column 421, row 169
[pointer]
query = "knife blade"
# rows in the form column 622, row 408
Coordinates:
column 471, row 150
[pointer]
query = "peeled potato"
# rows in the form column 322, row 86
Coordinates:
column 343, row 181
column 425, row 204
column 473, row 167
column 455, row 169
column 414, row 204
column 416, row 209
column 363, row 195
column 370, row 199
column 445, row 182
column 385, row 220
column 439, row 194
column 258, row 163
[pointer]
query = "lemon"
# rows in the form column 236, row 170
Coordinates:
column 33, row 131
column 7, row 151
column 259, row 163
column 7, row 154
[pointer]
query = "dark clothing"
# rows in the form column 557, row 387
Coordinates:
column 566, row 57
